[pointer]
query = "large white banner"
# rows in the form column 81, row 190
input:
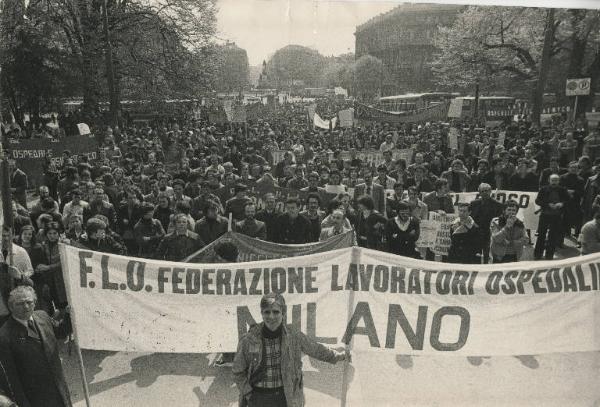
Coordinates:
column 372, row 301
column 324, row 124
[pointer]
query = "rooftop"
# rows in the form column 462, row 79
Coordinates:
column 409, row 8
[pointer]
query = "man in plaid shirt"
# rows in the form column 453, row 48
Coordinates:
column 264, row 376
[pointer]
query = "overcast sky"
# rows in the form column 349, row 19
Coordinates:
column 261, row 27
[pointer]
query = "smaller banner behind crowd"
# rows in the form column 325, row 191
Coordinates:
column 373, row 300
column 251, row 249
column 31, row 154
column 375, row 157
column 257, row 193
column 429, row 114
column 324, row 124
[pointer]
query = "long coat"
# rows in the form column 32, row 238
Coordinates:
column 37, row 379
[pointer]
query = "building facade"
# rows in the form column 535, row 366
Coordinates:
column 403, row 39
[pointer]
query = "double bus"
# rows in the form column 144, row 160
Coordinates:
column 413, row 101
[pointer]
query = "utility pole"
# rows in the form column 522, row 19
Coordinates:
column 110, row 74
column 476, row 104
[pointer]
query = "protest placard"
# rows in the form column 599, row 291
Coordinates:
column 31, row 154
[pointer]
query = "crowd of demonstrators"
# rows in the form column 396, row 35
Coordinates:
column 166, row 189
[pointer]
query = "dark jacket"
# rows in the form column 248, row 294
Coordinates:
column 295, row 231
column 465, row 243
column 370, row 230
column 37, row 379
column 528, row 183
column 210, row 230
column 127, row 220
column 315, row 224
column 148, row 228
column 270, row 220
column 236, row 206
column 103, row 208
column 544, row 198
column 253, row 228
column 107, row 245
column 490, row 178
column 175, row 247
column 573, row 211
column 483, row 211
column 403, row 242
column 435, row 203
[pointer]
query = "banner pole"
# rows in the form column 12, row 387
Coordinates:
column 63, row 260
column 229, row 224
column 86, row 390
column 354, row 258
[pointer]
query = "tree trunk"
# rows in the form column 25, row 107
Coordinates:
column 593, row 72
column 538, row 97
column 113, row 96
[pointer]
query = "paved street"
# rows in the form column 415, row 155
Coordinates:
column 149, row 380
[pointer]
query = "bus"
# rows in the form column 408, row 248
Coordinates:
column 413, row 101
column 489, row 106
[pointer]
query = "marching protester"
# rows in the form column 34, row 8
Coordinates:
column 267, row 367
